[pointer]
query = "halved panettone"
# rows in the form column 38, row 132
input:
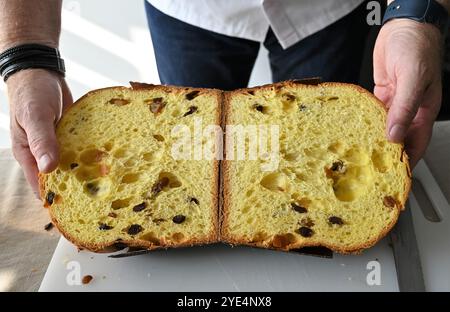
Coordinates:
column 118, row 183
column 339, row 183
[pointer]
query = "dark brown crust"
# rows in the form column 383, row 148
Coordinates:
column 225, row 191
column 108, row 246
column 217, row 178
column 405, row 159
column 225, row 236
column 220, row 172
column 307, row 81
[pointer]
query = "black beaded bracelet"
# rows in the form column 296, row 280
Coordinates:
column 30, row 56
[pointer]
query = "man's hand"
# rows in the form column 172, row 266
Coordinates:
column 36, row 96
column 37, row 99
column 407, row 74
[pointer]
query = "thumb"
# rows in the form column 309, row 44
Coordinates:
column 407, row 99
column 42, row 141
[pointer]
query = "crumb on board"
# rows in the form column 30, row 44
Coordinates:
column 87, row 279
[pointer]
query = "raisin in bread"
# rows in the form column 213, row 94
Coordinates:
column 117, row 183
column 339, row 184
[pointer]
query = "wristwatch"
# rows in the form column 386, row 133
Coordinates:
column 424, row 11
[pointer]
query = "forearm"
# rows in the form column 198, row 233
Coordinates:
column 445, row 3
column 25, row 21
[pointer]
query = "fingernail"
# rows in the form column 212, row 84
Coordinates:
column 397, row 133
column 44, row 162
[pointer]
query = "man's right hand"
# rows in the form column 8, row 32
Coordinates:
column 37, row 100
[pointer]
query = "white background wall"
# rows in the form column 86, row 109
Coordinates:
column 107, row 42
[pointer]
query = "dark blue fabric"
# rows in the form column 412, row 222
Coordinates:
column 187, row 55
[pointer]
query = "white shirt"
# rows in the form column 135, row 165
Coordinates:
column 290, row 20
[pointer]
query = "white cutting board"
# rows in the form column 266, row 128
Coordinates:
column 433, row 238
column 222, row 268
column 219, row 268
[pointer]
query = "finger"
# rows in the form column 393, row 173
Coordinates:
column 383, row 94
column 406, row 101
column 420, row 132
column 40, row 130
column 28, row 164
column 416, row 142
column 66, row 94
column 23, row 155
column 416, row 146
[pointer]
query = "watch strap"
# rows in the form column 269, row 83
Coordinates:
column 424, row 11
